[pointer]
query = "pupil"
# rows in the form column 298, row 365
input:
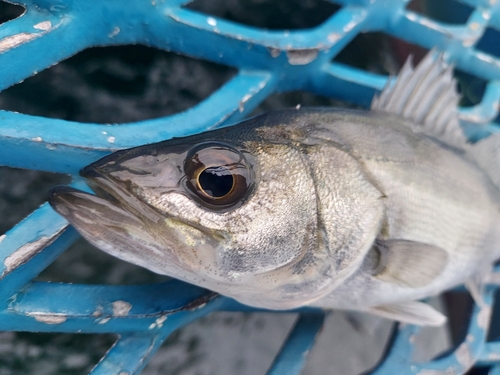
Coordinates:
column 216, row 181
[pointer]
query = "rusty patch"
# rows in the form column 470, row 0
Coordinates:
column 48, row 318
column 301, row 56
column 23, row 254
column 121, row 308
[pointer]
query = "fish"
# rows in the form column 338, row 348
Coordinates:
column 368, row 210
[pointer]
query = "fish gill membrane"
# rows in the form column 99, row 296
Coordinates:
column 332, row 208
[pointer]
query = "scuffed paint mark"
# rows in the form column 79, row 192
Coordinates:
column 28, row 251
column 333, row 37
column 158, row 323
column 301, row 56
column 448, row 371
column 111, row 139
column 483, row 318
column 16, row 40
column 13, row 41
column 2, row 237
column 241, row 105
column 275, row 52
column 121, row 308
column 114, row 32
column 464, row 356
column 44, row 26
column 37, row 139
column 49, row 318
column 124, row 373
column 104, row 320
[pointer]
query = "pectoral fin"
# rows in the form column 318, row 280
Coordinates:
column 408, row 263
column 412, row 312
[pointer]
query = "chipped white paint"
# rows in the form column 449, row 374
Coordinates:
column 51, row 146
column 474, row 26
column 44, row 26
column 275, row 52
column 486, row 15
column 104, row 320
column 152, row 326
column 114, row 32
column 103, row 132
column 349, row 26
column 161, row 320
column 464, row 356
column 10, row 42
column 37, row 139
column 49, row 318
column 297, row 107
column 301, row 56
column 27, row 251
column 333, row 37
column 121, row 308
column 2, row 237
column 124, row 373
column 448, row 371
column 245, row 99
column 16, row 40
column 212, row 21
column 111, row 139
column 411, row 16
column 483, row 318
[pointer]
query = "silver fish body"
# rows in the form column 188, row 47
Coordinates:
column 320, row 207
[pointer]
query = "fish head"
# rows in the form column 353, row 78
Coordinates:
column 233, row 211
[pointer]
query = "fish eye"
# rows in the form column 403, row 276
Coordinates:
column 218, row 175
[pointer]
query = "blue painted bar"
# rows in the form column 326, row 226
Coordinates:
column 292, row 356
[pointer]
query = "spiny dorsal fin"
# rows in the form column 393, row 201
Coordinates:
column 427, row 96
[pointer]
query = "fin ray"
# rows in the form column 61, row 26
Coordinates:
column 425, row 95
column 413, row 312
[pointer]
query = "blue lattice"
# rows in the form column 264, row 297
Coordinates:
column 267, row 62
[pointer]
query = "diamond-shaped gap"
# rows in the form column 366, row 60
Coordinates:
column 376, row 52
column 470, row 88
column 444, row 11
column 85, row 264
column 51, row 353
column 489, row 42
column 269, row 14
column 22, row 191
column 10, row 11
column 494, row 332
column 224, row 343
column 117, row 84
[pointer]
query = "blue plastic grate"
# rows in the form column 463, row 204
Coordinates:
column 267, row 62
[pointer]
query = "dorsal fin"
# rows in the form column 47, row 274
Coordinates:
column 426, row 96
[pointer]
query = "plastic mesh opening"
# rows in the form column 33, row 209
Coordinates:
column 269, row 14
column 445, row 11
column 9, row 11
column 22, row 191
column 48, row 353
column 117, row 84
column 489, row 42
